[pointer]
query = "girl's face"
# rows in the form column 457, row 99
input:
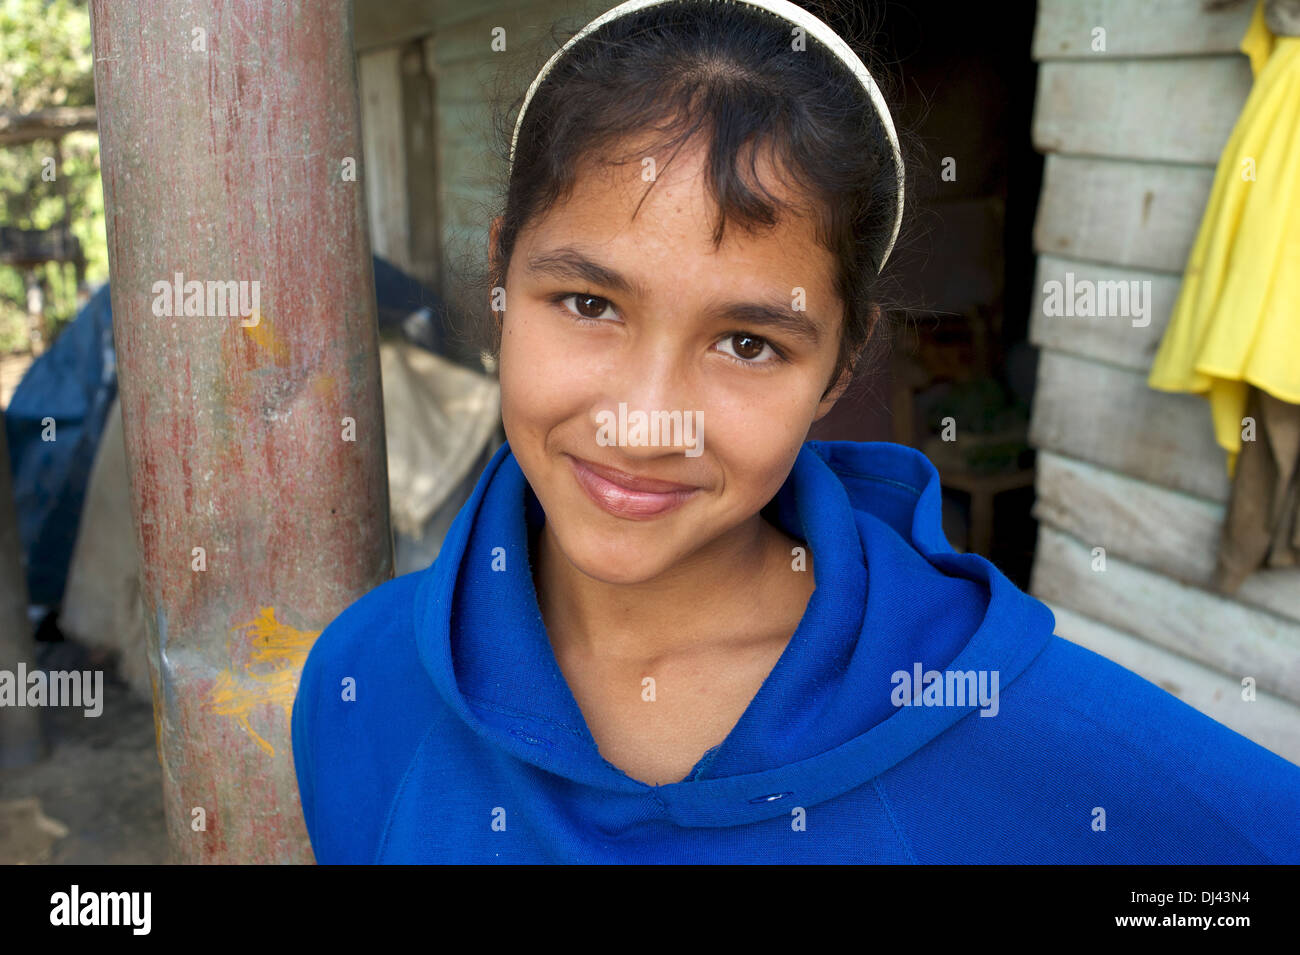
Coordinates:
column 655, row 391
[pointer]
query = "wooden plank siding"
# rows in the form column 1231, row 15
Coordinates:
column 1117, row 340
column 1132, row 136
column 1141, row 215
column 1108, row 416
column 384, row 144
column 1228, row 635
column 1185, row 112
column 431, row 199
column 469, row 75
column 1151, row 28
column 1172, row 533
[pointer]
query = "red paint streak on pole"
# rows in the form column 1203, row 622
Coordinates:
column 227, row 132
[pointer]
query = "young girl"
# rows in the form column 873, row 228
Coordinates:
column 665, row 627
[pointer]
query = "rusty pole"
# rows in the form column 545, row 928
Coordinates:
column 230, row 151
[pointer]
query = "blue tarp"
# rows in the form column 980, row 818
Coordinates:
column 73, row 385
column 53, row 424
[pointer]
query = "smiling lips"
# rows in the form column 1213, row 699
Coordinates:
column 627, row 495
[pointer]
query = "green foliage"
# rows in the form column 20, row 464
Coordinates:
column 46, row 61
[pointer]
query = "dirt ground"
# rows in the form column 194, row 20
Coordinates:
column 97, row 796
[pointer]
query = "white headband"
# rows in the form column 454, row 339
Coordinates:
column 796, row 15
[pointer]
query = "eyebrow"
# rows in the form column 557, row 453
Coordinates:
column 568, row 262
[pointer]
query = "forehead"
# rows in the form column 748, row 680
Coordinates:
column 652, row 216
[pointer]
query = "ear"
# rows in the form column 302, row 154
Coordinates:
column 837, row 390
column 494, row 241
column 494, row 258
column 846, row 374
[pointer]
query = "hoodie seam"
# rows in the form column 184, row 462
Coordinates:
column 520, row 714
column 866, row 476
column 659, row 800
column 842, row 469
column 884, row 801
column 397, row 796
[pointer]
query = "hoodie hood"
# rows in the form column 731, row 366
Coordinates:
column 892, row 597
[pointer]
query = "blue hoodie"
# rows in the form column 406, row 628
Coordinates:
column 433, row 724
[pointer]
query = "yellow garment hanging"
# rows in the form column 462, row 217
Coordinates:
column 1237, row 319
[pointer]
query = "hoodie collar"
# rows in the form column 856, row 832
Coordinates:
column 890, row 593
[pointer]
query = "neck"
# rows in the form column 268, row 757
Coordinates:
column 739, row 588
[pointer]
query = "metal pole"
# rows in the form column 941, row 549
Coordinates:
column 230, row 151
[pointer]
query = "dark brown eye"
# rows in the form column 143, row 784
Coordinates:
column 590, row 306
column 748, row 347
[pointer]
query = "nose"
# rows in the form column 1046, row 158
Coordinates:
column 648, row 400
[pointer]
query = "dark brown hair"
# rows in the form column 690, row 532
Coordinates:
column 731, row 73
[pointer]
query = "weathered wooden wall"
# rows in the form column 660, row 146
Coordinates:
column 435, row 173
column 1132, row 136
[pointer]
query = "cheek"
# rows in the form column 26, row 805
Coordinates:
column 753, row 424
column 756, row 434
column 546, row 373
column 530, row 382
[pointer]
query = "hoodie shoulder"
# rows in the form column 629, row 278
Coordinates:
column 364, row 703
column 1087, row 762
column 1172, row 734
column 1242, row 800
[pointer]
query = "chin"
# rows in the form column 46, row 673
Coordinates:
column 613, row 558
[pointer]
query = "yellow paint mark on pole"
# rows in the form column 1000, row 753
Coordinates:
column 263, row 335
column 270, row 676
